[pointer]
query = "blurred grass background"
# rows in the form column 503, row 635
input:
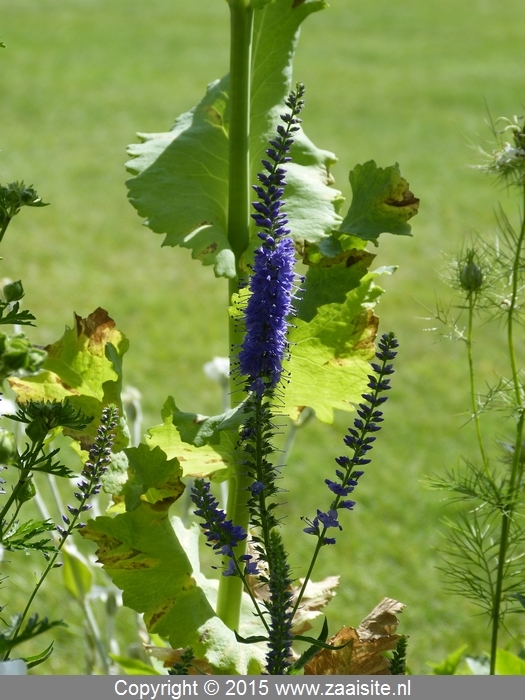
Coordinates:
column 406, row 82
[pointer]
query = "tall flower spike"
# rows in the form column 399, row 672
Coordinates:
column 273, row 280
column 97, row 463
column 359, row 439
column 261, row 361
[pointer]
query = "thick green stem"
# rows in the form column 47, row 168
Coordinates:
column 230, row 587
column 239, row 129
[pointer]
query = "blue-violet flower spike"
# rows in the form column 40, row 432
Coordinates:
column 222, row 535
column 273, row 280
column 358, row 440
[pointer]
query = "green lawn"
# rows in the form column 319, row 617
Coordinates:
column 405, row 82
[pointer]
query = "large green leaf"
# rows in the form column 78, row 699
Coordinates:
column 204, row 447
column 155, row 563
column 332, row 338
column 181, row 177
column 84, row 366
column 152, row 478
column 381, row 203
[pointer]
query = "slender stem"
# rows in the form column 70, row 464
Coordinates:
column 241, row 23
column 309, row 572
column 516, row 470
column 513, row 303
column 475, row 413
column 3, row 229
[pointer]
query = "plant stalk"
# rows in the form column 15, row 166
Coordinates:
column 515, row 476
column 241, row 24
column 475, row 413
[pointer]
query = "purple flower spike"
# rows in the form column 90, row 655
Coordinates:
column 358, row 440
column 222, row 535
column 273, row 280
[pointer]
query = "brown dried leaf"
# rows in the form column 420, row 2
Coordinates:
column 382, row 621
column 366, row 645
column 316, row 597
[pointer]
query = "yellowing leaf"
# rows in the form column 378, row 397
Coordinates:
column 85, row 366
column 152, row 478
column 213, row 456
column 332, row 338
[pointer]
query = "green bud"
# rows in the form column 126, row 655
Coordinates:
column 27, row 492
column 37, row 430
column 15, row 352
column 13, row 291
column 8, row 451
column 35, row 359
column 471, row 277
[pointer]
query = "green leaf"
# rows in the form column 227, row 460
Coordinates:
column 312, row 650
column 332, row 340
column 203, row 446
column 134, row 667
column 250, row 640
column 152, row 478
column 508, row 664
column 33, row 628
column 519, row 597
column 15, row 316
column 449, row 665
column 37, row 659
column 382, row 203
column 20, row 537
column 181, row 177
column 76, row 574
column 155, row 563
column 85, row 365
